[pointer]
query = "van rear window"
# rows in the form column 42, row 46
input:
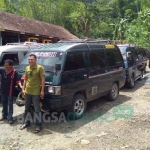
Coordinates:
column 122, row 48
column 123, row 53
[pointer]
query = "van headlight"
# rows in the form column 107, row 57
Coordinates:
column 54, row 90
column 51, row 89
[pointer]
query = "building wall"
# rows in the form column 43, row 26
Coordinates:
column 15, row 37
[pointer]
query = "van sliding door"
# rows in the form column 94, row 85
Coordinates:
column 98, row 73
column 74, row 77
column 116, row 66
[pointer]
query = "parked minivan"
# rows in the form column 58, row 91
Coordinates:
column 15, row 52
column 146, row 56
column 77, row 73
column 135, row 63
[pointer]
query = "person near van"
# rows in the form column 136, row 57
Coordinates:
column 9, row 78
column 129, row 57
column 33, row 89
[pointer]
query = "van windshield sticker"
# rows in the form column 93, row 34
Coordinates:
column 45, row 54
column 94, row 90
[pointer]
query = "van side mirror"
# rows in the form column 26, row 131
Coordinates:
column 57, row 67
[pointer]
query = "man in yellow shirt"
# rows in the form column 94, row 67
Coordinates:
column 33, row 89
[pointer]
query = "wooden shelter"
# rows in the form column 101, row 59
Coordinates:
column 15, row 28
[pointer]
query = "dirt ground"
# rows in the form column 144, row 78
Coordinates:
column 120, row 125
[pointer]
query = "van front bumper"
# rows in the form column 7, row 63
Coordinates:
column 46, row 103
column 52, row 104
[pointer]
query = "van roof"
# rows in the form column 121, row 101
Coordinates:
column 62, row 47
column 15, row 48
column 26, row 43
column 127, row 45
column 88, row 40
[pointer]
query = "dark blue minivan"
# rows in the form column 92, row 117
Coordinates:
column 134, row 63
column 77, row 73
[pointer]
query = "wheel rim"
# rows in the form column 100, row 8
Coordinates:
column 114, row 91
column 79, row 107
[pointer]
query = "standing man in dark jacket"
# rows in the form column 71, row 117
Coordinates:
column 8, row 82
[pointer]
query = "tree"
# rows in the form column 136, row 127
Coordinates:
column 139, row 30
column 2, row 5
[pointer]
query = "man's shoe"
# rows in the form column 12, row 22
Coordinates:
column 10, row 121
column 37, row 130
column 2, row 119
column 24, row 126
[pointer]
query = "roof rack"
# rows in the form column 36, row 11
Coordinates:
column 26, row 43
column 131, row 45
column 85, row 41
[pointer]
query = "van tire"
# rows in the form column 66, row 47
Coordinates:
column 113, row 94
column 131, row 82
column 142, row 74
column 144, row 70
column 77, row 108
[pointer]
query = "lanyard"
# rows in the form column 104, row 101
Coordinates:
column 11, row 83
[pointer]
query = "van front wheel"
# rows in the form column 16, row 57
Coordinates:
column 78, row 107
column 131, row 82
column 113, row 94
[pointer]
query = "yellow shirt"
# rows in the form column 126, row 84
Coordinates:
column 33, row 84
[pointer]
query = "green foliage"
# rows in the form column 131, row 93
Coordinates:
column 2, row 5
column 127, row 20
column 9, row 6
column 139, row 29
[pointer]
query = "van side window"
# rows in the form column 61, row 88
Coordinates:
column 13, row 57
column 114, row 58
column 94, row 60
column 97, row 59
column 134, row 54
column 129, row 56
column 140, row 54
column 24, row 53
column 74, row 61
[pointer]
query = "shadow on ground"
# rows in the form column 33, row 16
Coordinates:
column 97, row 109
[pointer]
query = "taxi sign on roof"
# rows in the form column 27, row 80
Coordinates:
column 110, row 46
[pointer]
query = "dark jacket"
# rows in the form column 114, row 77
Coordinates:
column 8, row 82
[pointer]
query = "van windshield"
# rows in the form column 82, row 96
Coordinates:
column 46, row 59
